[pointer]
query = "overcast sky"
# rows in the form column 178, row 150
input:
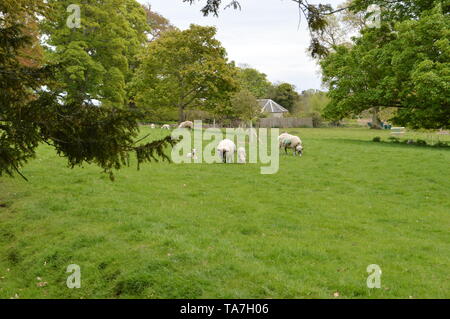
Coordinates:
column 264, row 34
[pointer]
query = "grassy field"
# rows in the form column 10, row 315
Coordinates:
column 226, row 231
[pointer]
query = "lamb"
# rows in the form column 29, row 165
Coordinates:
column 226, row 150
column 241, row 155
column 152, row 125
column 186, row 124
column 165, row 127
column 291, row 141
column 193, row 154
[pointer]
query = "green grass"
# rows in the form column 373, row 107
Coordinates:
column 226, row 231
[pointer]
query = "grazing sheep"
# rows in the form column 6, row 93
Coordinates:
column 241, row 155
column 165, row 127
column 282, row 137
column 152, row 125
column 226, row 150
column 186, row 124
column 193, row 154
column 291, row 141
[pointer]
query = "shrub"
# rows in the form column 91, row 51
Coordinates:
column 421, row 142
column 316, row 119
column 441, row 144
column 376, row 139
column 394, row 139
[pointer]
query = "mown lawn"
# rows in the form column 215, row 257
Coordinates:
column 226, row 231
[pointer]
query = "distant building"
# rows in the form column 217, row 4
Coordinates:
column 272, row 108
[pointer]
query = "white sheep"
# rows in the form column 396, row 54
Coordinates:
column 283, row 137
column 241, row 155
column 165, row 127
column 291, row 141
column 152, row 125
column 226, row 150
column 186, row 124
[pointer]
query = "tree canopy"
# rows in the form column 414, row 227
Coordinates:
column 98, row 58
column 285, row 95
column 183, row 69
column 158, row 24
column 254, row 81
column 404, row 66
column 39, row 102
column 246, row 105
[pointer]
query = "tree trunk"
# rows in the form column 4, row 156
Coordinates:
column 376, row 123
column 181, row 114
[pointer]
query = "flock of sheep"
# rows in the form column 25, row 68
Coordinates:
column 187, row 124
column 226, row 148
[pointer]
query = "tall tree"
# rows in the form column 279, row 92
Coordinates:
column 406, row 67
column 341, row 27
column 312, row 101
column 285, row 95
column 31, row 113
column 99, row 57
column 400, row 10
column 158, row 24
column 420, row 82
column 254, row 81
column 246, row 105
column 354, row 75
column 333, row 34
column 18, row 80
column 184, row 69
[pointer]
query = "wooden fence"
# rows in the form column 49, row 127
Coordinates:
column 286, row 122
